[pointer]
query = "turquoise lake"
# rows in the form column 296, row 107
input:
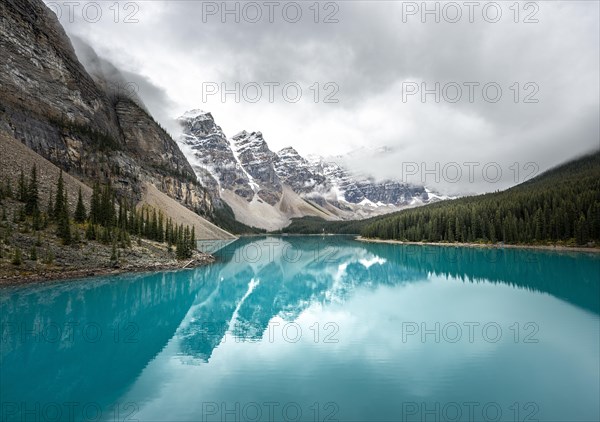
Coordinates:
column 313, row 329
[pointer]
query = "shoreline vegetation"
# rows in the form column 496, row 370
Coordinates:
column 61, row 274
column 550, row 246
column 47, row 232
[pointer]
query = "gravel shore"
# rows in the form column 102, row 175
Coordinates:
column 591, row 249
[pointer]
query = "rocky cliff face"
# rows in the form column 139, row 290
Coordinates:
column 162, row 162
column 346, row 188
column 393, row 192
column 41, row 73
column 52, row 104
column 258, row 161
column 300, row 174
column 211, row 155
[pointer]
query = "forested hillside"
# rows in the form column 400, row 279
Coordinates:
column 562, row 204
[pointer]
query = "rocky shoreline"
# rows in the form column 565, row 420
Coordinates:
column 60, row 273
column 551, row 247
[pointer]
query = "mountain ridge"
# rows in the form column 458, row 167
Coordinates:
column 245, row 166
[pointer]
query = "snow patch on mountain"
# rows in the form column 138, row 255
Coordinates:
column 255, row 187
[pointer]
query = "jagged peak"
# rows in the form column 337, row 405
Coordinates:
column 245, row 134
column 240, row 135
column 288, row 151
column 195, row 115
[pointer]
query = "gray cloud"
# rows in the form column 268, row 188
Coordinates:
column 368, row 54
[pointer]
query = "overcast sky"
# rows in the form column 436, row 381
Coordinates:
column 373, row 57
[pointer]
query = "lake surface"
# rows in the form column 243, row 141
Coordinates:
column 313, row 329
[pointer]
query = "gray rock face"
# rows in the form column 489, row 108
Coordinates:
column 40, row 72
column 344, row 185
column 392, row 192
column 211, row 153
column 259, row 162
column 300, row 174
column 51, row 103
column 159, row 157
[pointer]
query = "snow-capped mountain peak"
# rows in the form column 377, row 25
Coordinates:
column 245, row 140
column 287, row 151
column 258, row 161
column 195, row 114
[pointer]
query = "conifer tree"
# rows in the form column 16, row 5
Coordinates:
column 180, row 245
column 161, row 228
column 37, row 222
column 169, row 232
column 95, row 204
column 22, row 188
column 60, row 199
column 131, row 224
column 154, row 226
column 90, row 231
column 62, row 216
column 80, row 211
column 50, row 207
column 32, row 196
column 114, row 257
